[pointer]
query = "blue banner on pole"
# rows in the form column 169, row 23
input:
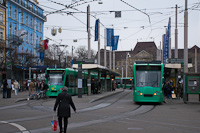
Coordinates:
column 110, row 36
column 96, row 30
column 114, row 47
column 166, row 45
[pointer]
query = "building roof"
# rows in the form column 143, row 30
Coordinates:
column 149, row 47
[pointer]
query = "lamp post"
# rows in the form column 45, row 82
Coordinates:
column 127, row 55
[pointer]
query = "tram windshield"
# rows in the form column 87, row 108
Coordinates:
column 148, row 78
column 55, row 79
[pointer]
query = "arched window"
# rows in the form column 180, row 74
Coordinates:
column 22, row 17
column 37, row 41
column 15, row 14
column 10, row 11
column 26, row 3
column 37, row 25
column 27, row 19
column 20, row 2
column 40, row 27
column 10, row 29
column 31, row 38
column 27, row 39
column 15, row 30
column 1, row 17
column 31, row 22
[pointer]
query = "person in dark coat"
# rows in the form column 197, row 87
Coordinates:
column 5, row 88
column 45, row 87
column 63, row 102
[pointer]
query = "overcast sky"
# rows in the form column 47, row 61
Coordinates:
column 134, row 26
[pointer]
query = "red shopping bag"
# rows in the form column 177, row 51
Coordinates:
column 54, row 124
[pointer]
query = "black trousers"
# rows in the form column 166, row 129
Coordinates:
column 65, row 124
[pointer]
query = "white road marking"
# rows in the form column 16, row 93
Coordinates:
column 21, row 128
column 13, row 106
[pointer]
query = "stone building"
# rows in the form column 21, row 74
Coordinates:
column 144, row 51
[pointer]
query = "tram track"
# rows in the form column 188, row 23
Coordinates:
column 141, row 109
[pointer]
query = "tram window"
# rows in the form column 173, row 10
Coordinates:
column 67, row 81
column 55, row 79
column 71, row 81
column 148, row 68
column 148, row 78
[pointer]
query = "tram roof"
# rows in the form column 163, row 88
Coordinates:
column 96, row 68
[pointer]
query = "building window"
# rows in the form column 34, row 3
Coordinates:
column 15, row 14
column 37, row 42
column 27, row 19
column 27, row 37
column 36, row 10
column 15, row 30
column 10, row 11
column 1, row 17
column 31, row 8
column 37, row 24
column 40, row 27
column 31, row 22
column 10, row 29
column 31, row 38
column 20, row 2
column 26, row 3
column 1, row 33
column 22, row 17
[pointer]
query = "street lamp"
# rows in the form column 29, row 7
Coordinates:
column 127, row 55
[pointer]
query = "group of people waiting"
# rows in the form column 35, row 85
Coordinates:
column 37, row 86
column 169, row 89
column 33, row 86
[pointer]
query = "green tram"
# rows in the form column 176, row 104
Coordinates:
column 148, row 81
column 125, row 82
column 57, row 78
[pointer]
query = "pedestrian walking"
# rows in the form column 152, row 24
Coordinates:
column 16, row 86
column 5, row 88
column 63, row 102
column 31, row 87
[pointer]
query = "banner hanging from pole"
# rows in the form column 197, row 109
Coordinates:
column 110, row 36
column 96, row 30
column 114, row 47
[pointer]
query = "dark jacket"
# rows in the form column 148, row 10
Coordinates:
column 5, row 85
column 63, row 102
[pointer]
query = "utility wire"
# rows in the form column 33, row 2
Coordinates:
column 137, row 10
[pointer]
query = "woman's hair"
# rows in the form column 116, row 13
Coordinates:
column 65, row 88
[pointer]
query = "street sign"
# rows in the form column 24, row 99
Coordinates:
column 84, row 61
column 117, row 14
column 176, row 60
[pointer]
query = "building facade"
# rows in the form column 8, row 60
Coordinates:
column 25, row 22
column 2, row 39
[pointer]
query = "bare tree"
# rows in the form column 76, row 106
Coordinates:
column 82, row 52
